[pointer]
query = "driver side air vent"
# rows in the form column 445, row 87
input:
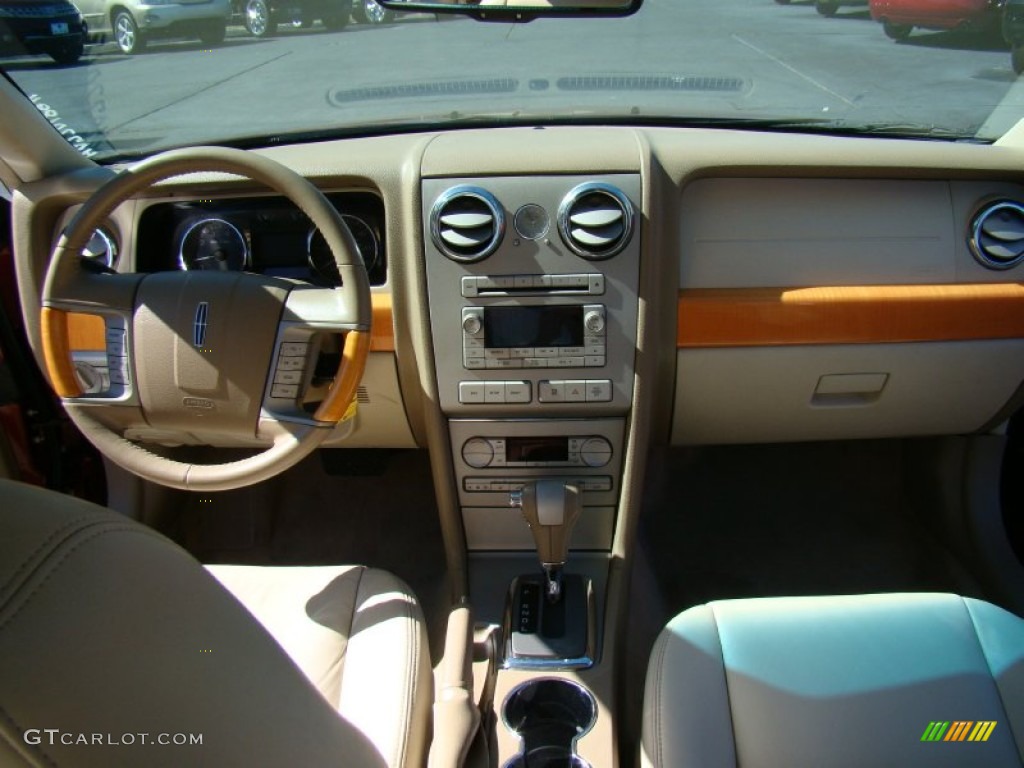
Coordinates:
column 997, row 235
column 596, row 220
column 467, row 223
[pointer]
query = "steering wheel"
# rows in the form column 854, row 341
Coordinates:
column 225, row 354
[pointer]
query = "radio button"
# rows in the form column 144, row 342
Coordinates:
column 593, row 361
column 551, row 391
column 517, row 392
column 596, row 284
column 471, row 392
column 594, row 348
column 497, row 364
column 473, row 352
column 501, row 353
column 535, row 362
column 473, row 363
column 571, row 351
column 521, row 352
column 545, row 352
column 568, row 362
column 599, row 391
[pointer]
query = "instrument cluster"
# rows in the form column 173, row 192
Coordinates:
column 266, row 235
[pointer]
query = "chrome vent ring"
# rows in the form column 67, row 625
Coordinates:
column 997, row 235
column 467, row 223
column 596, row 220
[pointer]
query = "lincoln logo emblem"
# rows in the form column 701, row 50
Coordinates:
column 199, row 327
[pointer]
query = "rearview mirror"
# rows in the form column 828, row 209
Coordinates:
column 516, row 10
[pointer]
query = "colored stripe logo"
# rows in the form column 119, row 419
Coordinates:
column 959, row 730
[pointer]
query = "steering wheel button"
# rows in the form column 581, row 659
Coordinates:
column 118, row 377
column 294, row 348
column 288, row 377
column 291, row 363
column 285, row 391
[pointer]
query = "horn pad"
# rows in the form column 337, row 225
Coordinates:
column 203, row 342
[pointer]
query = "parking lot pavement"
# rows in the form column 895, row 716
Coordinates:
column 841, row 68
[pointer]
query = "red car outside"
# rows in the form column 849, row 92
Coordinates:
column 899, row 17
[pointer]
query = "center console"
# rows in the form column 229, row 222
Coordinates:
column 533, row 307
column 533, row 299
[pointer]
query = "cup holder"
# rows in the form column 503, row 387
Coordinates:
column 549, row 715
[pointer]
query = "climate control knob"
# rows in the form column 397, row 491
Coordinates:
column 596, row 452
column 477, row 452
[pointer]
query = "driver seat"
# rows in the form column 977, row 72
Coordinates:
column 117, row 648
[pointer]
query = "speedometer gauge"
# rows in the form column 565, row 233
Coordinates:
column 322, row 260
column 213, row 244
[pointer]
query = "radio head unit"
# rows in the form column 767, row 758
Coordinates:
column 544, row 336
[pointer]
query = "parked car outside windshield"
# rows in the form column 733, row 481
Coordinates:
column 53, row 27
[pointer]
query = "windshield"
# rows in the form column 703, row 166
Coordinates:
column 256, row 72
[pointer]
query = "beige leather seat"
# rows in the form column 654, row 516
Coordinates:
column 113, row 640
column 876, row 680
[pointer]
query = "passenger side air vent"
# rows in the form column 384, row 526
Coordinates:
column 596, row 220
column 467, row 223
column 997, row 235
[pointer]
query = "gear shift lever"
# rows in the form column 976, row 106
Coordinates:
column 551, row 506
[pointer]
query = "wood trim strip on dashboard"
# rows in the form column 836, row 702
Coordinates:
column 382, row 332
column 751, row 317
column 88, row 332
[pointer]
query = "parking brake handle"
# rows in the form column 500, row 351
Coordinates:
column 551, row 507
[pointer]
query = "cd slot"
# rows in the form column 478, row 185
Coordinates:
column 533, row 292
column 533, row 285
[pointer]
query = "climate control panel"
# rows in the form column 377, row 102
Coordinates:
column 537, row 451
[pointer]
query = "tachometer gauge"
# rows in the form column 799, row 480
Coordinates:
column 322, row 260
column 213, row 244
column 101, row 248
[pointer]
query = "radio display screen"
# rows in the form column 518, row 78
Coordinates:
column 533, row 327
column 522, row 449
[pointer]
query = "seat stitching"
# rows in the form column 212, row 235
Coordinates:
column 54, row 567
column 991, row 672
column 45, row 542
column 725, row 678
column 5, row 715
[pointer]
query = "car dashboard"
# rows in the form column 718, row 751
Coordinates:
column 552, row 302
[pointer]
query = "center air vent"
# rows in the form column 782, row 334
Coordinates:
column 997, row 235
column 596, row 220
column 466, row 223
